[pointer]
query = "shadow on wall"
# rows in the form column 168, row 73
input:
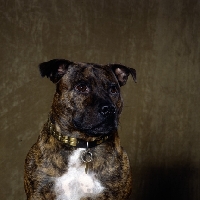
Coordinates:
column 175, row 182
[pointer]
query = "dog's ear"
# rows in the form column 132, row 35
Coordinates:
column 122, row 72
column 54, row 69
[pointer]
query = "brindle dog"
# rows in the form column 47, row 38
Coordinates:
column 78, row 153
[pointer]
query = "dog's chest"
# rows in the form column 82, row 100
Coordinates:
column 75, row 183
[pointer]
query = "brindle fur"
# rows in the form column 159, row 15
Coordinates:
column 76, row 114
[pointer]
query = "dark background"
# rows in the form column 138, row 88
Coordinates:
column 160, row 123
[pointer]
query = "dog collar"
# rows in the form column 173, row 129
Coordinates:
column 76, row 142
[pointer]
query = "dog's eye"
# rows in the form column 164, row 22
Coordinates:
column 82, row 88
column 114, row 89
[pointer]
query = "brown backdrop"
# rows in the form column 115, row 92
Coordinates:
column 160, row 122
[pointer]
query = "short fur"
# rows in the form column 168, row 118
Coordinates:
column 86, row 105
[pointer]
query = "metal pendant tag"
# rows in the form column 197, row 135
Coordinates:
column 86, row 157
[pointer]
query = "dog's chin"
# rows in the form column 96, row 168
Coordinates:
column 98, row 130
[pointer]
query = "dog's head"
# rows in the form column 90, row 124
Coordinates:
column 87, row 97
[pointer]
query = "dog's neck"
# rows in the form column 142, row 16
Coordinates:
column 55, row 131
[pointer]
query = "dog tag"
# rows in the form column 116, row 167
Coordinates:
column 86, row 158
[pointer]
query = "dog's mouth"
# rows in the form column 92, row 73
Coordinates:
column 104, row 127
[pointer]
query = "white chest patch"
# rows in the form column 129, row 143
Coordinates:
column 76, row 183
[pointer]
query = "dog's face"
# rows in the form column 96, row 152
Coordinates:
column 87, row 97
column 90, row 96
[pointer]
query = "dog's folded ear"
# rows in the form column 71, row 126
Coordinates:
column 54, row 69
column 122, row 72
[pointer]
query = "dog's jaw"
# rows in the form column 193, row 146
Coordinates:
column 75, row 183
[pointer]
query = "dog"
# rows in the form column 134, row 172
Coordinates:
column 78, row 155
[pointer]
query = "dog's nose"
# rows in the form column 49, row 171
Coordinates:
column 107, row 110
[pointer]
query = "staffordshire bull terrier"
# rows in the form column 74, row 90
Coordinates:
column 78, row 155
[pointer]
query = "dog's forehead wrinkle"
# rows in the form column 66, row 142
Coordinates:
column 104, row 79
column 91, row 70
column 98, row 78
